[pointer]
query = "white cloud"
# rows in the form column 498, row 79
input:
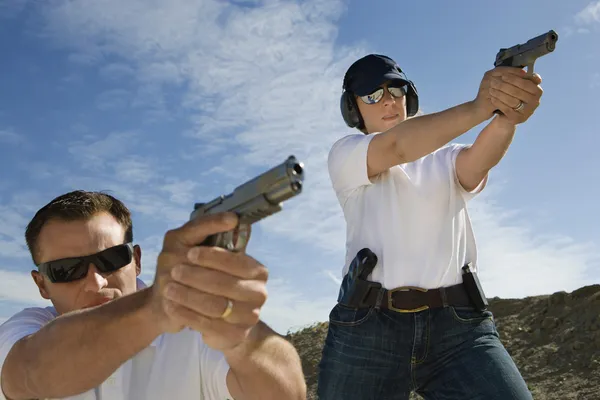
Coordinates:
column 590, row 14
column 134, row 169
column 116, row 71
column 95, row 154
column 19, row 286
column 11, row 8
column 113, row 99
column 290, row 309
column 516, row 260
column 10, row 136
column 595, row 81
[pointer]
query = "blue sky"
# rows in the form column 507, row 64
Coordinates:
column 167, row 103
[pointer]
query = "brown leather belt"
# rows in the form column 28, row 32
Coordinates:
column 412, row 299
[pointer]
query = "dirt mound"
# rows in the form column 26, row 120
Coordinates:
column 554, row 340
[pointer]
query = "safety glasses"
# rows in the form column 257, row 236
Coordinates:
column 377, row 95
column 74, row 268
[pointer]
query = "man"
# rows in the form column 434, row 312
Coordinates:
column 404, row 191
column 194, row 334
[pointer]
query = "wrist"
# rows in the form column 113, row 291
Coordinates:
column 149, row 315
column 479, row 113
column 255, row 339
column 503, row 124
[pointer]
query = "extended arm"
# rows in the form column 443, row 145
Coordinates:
column 264, row 367
column 473, row 164
column 416, row 137
column 56, row 361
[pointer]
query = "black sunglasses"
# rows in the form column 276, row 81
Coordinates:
column 74, row 268
column 377, row 95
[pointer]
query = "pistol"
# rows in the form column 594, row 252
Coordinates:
column 253, row 201
column 525, row 55
column 356, row 291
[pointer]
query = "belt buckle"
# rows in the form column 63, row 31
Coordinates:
column 405, row 289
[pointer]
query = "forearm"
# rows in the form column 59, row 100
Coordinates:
column 491, row 145
column 419, row 136
column 267, row 367
column 80, row 350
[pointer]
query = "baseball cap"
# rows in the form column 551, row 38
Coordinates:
column 368, row 73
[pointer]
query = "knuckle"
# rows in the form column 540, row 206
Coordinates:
column 254, row 316
column 261, row 295
column 261, row 273
column 170, row 235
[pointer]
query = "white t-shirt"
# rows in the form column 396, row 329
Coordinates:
column 175, row 366
column 413, row 216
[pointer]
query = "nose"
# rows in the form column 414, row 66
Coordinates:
column 94, row 281
column 388, row 99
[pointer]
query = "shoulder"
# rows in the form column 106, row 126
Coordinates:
column 349, row 142
column 450, row 149
column 445, row 156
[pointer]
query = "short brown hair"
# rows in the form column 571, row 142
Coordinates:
column 73, row 206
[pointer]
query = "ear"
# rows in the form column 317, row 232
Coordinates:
column 137, row 257
column 41, row 284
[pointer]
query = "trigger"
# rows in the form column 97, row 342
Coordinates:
column 529, row 70
column 240, row 237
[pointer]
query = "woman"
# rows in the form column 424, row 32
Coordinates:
column 404, row 192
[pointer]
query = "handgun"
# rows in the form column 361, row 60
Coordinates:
column 253, row 201
column 356, row 291
column 525, row 55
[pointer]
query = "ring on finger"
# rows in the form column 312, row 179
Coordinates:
column 228, row 309
column 519, row 107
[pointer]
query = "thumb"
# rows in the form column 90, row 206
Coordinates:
column 536, row 78
column 195, row 231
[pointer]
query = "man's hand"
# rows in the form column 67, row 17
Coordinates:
column 194, row 284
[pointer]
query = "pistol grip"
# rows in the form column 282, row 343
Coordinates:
column 235, row 240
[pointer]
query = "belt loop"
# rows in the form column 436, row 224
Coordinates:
column 379, row 298
column 444, row 297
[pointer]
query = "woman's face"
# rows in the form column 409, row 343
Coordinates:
column 387, row 107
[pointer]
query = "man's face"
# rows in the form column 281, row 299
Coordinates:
column 385, row 114
column 62, row 239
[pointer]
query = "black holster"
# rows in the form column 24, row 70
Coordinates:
column 356, row 291
column 473, row 287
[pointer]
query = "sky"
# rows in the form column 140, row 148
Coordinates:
column 168, row 103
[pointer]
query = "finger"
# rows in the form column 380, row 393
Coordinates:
column 499, row 71
column 536, row 78
column 509, row 100
column 221, row 284
column 513, row 91
column 212, row 306
column 197, row 230
column 227, row 332
column 526, row 85
column 505, row 108
column 237, row 264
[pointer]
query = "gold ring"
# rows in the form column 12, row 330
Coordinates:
column 228, row 310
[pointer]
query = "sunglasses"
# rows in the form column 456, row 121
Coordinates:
column 377, row 95
column 74, row 268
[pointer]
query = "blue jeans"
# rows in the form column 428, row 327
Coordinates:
column 443, row 353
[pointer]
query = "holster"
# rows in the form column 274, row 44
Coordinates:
column 356, row 291
column 473, row 287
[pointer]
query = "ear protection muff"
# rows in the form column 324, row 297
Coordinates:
column 350, row 112
column 352, row 116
